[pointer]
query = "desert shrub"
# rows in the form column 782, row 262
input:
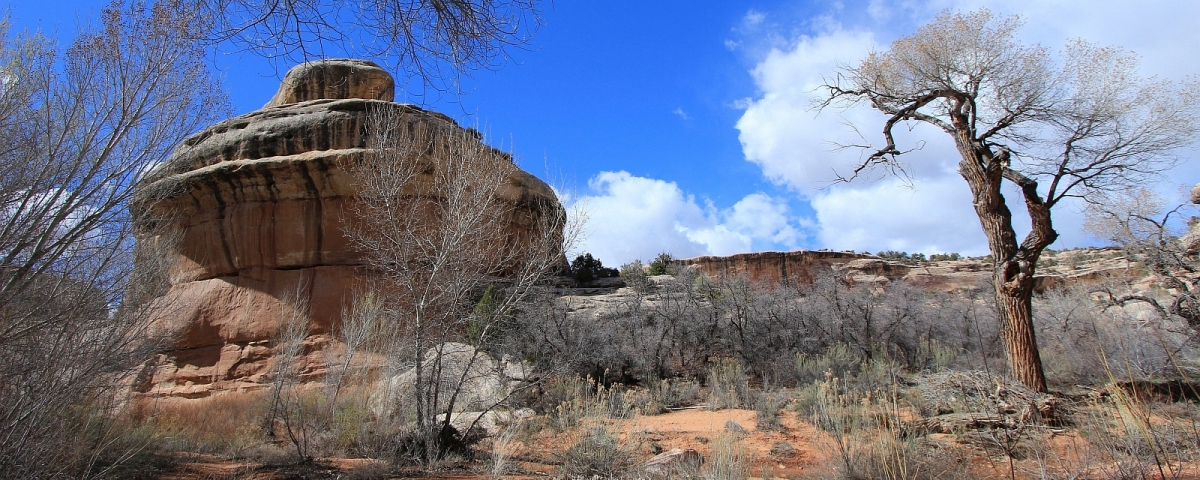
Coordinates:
column 661, row 264
column 580, row 398
column 729, row 459
column 228, row 424
column 904, row 257
column 839, row 360
column 675, row 393
column 942, row 257
column 1139, row 437
column 854, row 370
column 597, row 454
column 863, row 429
column 766, row 410
column 634, row 276
column 1084, row 339
column 690, row 319
column 889, row 457
column 727, row 384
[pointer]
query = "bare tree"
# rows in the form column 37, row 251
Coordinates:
column 1053, row 131
column 78, row 128
column 1152, row 234
column 441, row 217
column 432, row 42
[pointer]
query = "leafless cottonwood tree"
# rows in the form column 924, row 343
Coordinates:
column 1054, row 130
column 432, row 42
column 440, row 218
column 78, row 128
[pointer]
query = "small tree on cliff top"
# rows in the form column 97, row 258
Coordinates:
column 1053, row 131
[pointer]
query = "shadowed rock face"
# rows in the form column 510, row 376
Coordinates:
column 259, row 202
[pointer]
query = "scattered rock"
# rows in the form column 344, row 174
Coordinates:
column 733, row 427
column 674, row 463
column 782, row 450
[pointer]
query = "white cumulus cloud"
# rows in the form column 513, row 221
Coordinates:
column 632, row 217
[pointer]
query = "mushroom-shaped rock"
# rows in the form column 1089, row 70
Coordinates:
column 258, row 204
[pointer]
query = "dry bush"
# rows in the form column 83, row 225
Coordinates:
column 80, row 126
column 766, row 409
column 865, row 431
column 1132, row 437
column 598, row 454
column 729, row 459
column 691, row 319
column 578, row 399
column 1086, row 339
column 728, row 386
column 228, row 424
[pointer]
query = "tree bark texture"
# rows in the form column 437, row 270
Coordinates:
column 1013, row 264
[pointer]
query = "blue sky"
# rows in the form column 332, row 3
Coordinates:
column 685, row 127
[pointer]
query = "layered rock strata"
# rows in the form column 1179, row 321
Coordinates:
column 259, row 205
column 774, row 267
column 1074, row 267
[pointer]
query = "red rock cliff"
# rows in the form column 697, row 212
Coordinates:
column 259, row 202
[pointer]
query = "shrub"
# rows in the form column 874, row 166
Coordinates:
column 729, row 461
column 661, row 264
column 766, row 409
column 634, row 276
column 586, row 268
column 728, row 386
column 597, row 454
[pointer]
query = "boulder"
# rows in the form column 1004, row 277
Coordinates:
column 476, row 381
column 489, row 423
column 253, row 210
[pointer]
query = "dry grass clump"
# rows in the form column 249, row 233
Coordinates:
column 1135, row 437
column 729, row 459
column 598, row 454
column 728, row 385
column 230, row 424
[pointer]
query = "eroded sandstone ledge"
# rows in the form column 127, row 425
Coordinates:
column 259, row 205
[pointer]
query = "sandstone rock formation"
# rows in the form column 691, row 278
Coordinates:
column 478, row 383
column 774, row 267
column 259, row 204
column 1082, row 266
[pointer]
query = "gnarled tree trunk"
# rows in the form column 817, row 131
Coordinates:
column 1013, row 264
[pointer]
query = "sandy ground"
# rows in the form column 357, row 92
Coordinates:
column 538, row 454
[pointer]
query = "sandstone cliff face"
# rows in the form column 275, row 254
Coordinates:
column 774, row 267
column 259, row 203
column 1083, row 266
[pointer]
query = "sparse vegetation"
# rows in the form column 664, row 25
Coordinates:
column 585, row 268
column 662, row 264
column 465, row 355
